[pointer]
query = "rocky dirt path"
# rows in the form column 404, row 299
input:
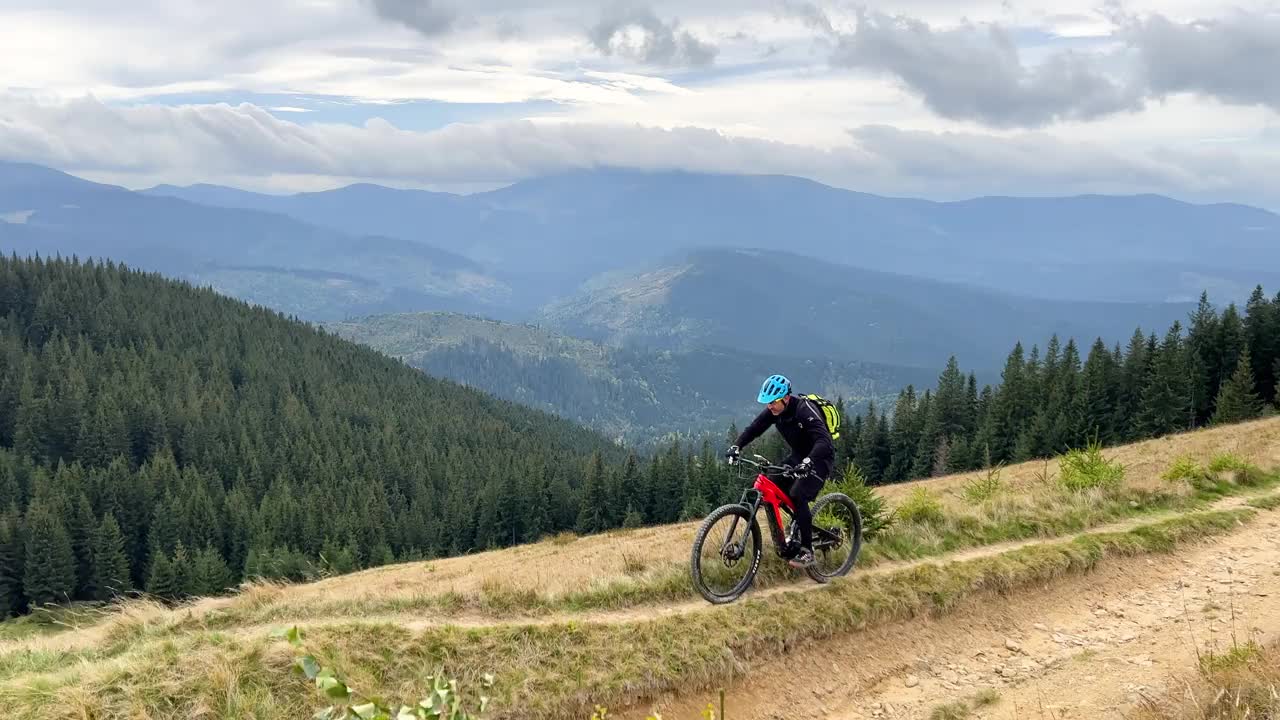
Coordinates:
column 1086, row 647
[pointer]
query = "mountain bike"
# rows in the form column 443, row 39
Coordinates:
column 837, row 536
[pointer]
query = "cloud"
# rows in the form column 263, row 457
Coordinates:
column 425, row 16
column 1233, row 59
column 638, row 34
column 209, row 143
column 810, row 14
column 976, row 73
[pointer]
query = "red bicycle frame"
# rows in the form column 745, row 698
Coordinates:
column 766, row 492
column 773, row 496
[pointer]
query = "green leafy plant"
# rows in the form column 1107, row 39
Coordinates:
column 923, row 507
column 1086, row 469
column 875, row 511
column 444, row 703
column 1185, row 468
column 982, row 488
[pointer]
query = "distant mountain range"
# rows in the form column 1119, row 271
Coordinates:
column 546, row 234
column 633, row 395
column 263, row 257
column 787, row 305
column 768, row 265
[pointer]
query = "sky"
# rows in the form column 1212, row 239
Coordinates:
column 920, row 98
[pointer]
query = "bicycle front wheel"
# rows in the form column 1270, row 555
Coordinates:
column 726, row 554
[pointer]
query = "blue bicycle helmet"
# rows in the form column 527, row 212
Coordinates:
column 775, row 386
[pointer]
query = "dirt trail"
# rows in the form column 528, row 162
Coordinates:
column 1087, row 647
column 419, row 620
column 566, row 565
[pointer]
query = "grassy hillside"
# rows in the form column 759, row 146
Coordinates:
column 636, row 395
column 569, row 623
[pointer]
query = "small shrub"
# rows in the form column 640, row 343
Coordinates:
column 951, row 711
column 1045, row 475
column 564, row 538
column 634, row 564
column 984, row 487
column 1245, row 473
column 1239, row 656
column 1086, row 469
column 633, row 519
column 875, row 512
column 1186, row 469
column 986, row 697
column 921, row 506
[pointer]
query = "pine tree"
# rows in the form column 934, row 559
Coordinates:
column 1011, row 408
column 1166, row 398
column 1237, row 400
column 81, row 526
column 590, row 514
column 182, row 571
column 110, row 566
column 1232, row 340
column 1133, row 378
column 867, row 458
column 903, row 437
column 1099, row 396
column 633, row 518
column 931, row 438
column 211, row 576
column 1276, row 370
column 49, row 571
column 10, row 568
column 1203, row 358
column 1262, row 330
column 163, row 584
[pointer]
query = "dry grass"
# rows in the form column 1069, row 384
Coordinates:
column 1238, row 684
column 138, row 660
column 560, row 670
column 649, row 566
column 556, row 569
column 552, row 569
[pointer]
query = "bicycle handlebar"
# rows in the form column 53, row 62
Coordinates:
column 765, row 465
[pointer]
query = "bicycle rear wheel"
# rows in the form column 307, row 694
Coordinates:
column 837, row 536
column 726, row 554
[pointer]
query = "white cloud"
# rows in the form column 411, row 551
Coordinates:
column 1108, row 87
column 158, row 144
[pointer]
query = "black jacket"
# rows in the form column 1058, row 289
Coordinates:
column 804, row 429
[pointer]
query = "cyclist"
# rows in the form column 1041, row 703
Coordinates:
column 812, row 452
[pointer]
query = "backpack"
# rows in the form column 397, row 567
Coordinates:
column 829, row 413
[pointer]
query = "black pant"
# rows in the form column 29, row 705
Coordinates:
column 802, row 492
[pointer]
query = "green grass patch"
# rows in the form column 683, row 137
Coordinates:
column 984, row 487
column 921, row 507
column 1239, row 684
column 1185, row 469
column 1266, row 502
column 1243, row 472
